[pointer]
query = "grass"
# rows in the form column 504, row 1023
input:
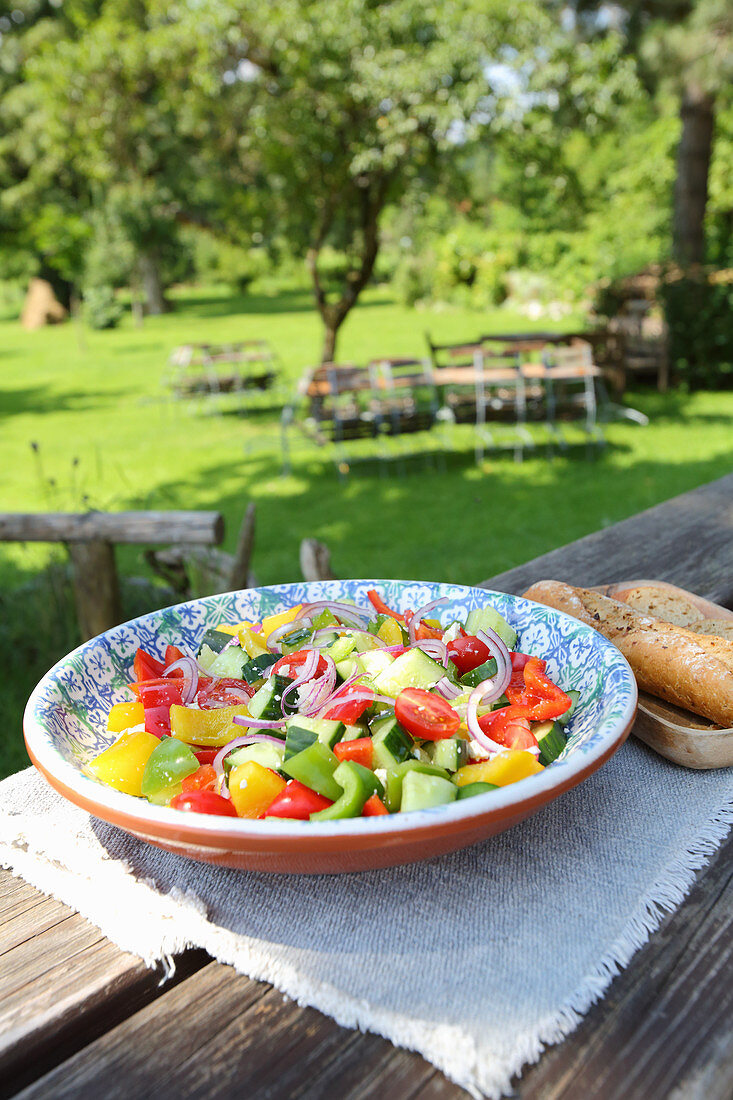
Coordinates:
column 107, row 436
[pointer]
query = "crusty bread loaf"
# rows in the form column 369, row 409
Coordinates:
column 651, row 600
column 694, row 671
column 722, row 628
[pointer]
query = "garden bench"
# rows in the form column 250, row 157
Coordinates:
column 91, row 538
column 214, row 369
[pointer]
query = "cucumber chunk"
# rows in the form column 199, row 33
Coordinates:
column 473, row 678
column 215, row 640
column 488, row 617
column 256, row 667
column 230, row 663
column 420, row 792
column 551, row 739
column 266, row 703
column 450, row 753
column 411, row 669
column 565, row 718
column 392, row 744
column 326, row 730
column 472, row 789
column 265, row 753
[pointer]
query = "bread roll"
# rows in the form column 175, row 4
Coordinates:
column 693, row 671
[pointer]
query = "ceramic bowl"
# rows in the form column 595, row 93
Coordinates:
column 65, row 725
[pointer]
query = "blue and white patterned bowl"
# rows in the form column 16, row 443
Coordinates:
column 65, row 725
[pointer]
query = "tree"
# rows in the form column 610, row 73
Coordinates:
column 347, row 102
column 686, row 45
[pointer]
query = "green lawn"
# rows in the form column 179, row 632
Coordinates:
column 108, row 437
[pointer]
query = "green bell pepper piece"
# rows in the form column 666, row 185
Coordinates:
column 166, row 768
column 475, row 788
column 357, row 784
column 396, row 774
column 315, row 767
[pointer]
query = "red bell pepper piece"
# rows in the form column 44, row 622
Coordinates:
column 296, row 801
column 537, row 693
column 373, row 807
column 147, row 667
column 203, row 779
column 380, row 606
column 361, row 751
column 157, row 697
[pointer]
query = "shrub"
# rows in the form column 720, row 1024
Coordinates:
column 698, row 308
column 101, row 308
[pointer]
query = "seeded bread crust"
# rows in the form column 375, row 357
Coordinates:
column 694, row 671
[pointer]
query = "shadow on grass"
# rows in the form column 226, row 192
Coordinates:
column 38, row 400
column 296, row 300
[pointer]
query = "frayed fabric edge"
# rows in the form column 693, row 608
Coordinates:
column 444, row 1046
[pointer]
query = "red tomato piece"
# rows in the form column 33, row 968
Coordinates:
column 226, row 692
column 361, row 751
column 289, row 664
column 373, row 807
column 350, row 711
column 147, row 667
column 204, row 802
column 425, row 715
column 467, row 653
column 380, row 606
column 204, row 756
column 297, row 801
column 203, row 779
column 509, row 726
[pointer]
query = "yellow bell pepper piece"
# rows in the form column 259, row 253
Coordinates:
column 252, row 644
column 206, row 727
column 227, row 628
column 121, row 765
column 252, row 788
column 272, row 622
column 124, row 715
column 503, row 769
column 391, row 632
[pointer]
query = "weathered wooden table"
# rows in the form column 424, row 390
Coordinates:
column 79, row 1018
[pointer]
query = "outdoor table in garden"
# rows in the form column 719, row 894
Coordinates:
column 80, row 1017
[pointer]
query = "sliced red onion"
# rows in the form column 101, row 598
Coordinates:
column 484, row 693
column 273, row 638
column 448, row 689
column 498, row 650
column 258, row 723
column 421, row 613
column 393, row 648
column 234, row 640
column 434, row 647
column 190, row 669
column 348, row 613
column 249, row 739
column 313, row 695
column 306, row 673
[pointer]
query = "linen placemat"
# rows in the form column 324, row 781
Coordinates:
column 478, row 960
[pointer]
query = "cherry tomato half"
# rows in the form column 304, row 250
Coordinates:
column 297, row 801
column 468, row 653
column 350, row 711
column 203, row 779
column 204, row 802
column 226, row 692
column 425, row 715
column 509, row 726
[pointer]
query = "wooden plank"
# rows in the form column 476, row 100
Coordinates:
column 686, row 540
column 666, row 1025
column 96, row 587
column 61, row 983
column 197, row 528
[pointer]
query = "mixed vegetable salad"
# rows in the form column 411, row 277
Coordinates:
column 331, row 710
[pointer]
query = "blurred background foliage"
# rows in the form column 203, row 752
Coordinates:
column 473, row 154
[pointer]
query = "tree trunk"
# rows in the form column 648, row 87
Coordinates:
column 330, row 332
column 694, row 153
column 152, row 287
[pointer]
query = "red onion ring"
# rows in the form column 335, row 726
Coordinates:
column 349, row 613
column 189, row 667
column 421, row 613
column 307, row 672
column 434, row 647
column 272, row 639
column 448, row 689
column 477, row 696
column 499, row 651
column 257, row 723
